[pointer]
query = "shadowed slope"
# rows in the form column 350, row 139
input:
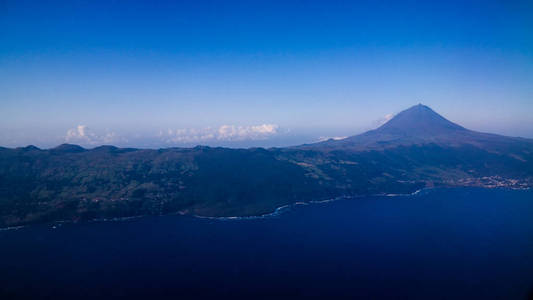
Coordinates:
column 419, row 120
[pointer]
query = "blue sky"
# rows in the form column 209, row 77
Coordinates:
column 256, row 73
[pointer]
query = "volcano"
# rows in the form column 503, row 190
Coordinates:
column 419, row 120
column 419, row 125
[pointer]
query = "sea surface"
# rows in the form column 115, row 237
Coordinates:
column 465, row 243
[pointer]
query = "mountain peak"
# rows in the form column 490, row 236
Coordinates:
column 415, row 125
column 419, row 120
column 68, row 148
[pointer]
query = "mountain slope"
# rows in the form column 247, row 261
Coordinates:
column 420, row 125
column 420, row 120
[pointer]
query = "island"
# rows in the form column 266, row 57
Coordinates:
column 418, row 148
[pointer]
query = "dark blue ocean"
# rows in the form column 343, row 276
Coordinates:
column 464, row 243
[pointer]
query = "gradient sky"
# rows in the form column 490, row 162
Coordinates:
column 256, row 73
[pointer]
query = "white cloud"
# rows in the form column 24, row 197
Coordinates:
column 80, row 133
column 84, row 135
column 238, row 133
column 336, row 138
column 222, row 133
column 383, row 120
column 387, row 118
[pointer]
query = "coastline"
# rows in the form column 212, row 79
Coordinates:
column 284, row 208
column 276, row 212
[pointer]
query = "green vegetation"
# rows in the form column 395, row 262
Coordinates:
column 71, row 183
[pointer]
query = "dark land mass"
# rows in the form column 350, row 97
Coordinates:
column 417, row 148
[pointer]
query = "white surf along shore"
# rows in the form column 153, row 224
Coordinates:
column 287, row 207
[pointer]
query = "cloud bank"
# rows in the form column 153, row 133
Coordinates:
column 85, row 136
column 227, row 133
